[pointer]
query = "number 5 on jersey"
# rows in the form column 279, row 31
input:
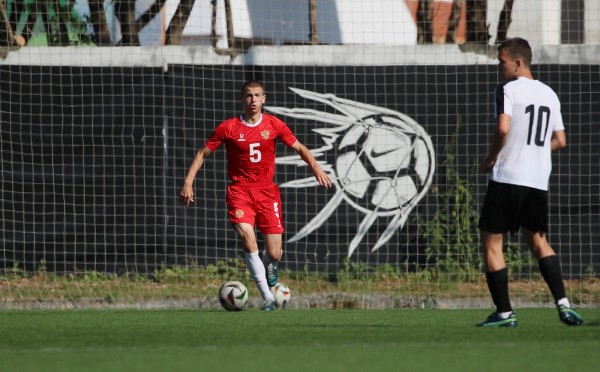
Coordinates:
column 255, row 155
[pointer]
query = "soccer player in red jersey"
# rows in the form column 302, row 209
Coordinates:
column 253, row 199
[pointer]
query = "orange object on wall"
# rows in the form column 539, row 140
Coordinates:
column 442, row 13
column 440, row 22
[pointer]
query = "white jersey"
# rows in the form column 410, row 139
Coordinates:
column 535, row 114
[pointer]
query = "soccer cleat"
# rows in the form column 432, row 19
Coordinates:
column 569, row 316
column 494, row 320
column 272, row 274
column 269, row 306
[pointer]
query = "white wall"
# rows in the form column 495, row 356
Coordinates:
column 321, row 55
column 378, row 22
column 536, row 21
column 540, row 21
column 592, row 22
column 386, row 22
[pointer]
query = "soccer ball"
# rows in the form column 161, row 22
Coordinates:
column 282, row 295
column 233, row 295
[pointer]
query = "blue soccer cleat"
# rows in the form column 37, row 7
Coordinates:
column 269, row 306
column 495, row 320
column 569, row 316
column 272, row 274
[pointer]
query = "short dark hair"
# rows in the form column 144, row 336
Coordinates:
column 251, row 84
column 517, row 48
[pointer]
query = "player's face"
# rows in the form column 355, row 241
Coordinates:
column 507, row 66
column 253, row 100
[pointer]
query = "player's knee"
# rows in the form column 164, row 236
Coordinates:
column 541, row 250
column 275, row 256
column 249, row 242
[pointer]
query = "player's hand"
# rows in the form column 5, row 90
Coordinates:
column 187, row 195
column 323, row 178
column 486, row 164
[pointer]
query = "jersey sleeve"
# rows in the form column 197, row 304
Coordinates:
column 558, row 120
column 216, row 138
column 285, row 133
column 502, row 100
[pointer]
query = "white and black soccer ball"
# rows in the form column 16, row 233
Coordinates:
column 233, row 295
column 282, row 295
column 383, row 165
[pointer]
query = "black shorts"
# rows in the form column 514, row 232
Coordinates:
column 508, row 207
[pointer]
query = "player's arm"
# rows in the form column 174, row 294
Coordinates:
column 187, row 192
column 498, row 141
column 559, row 140
column 309, row 159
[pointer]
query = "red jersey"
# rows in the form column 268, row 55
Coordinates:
column 251, row 147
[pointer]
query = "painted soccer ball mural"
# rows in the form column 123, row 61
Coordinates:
column 379, row 167
column 384, row 162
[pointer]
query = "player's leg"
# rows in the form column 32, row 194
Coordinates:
column 273, row 247
column 493, row 224
column 535, row 224
column 243, row 217
column 548, row 262
column 254, row 264
column 551, row 272
column 496, row 272
column 497, row 281
column 269, row 220
column 273, row 252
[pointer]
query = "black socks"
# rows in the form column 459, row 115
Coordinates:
column 550, row 269
column 497, row 282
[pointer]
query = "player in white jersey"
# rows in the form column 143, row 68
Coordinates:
column 529, row 127
column 535, row 118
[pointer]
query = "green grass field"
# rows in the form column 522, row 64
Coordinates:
column 293, row 340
